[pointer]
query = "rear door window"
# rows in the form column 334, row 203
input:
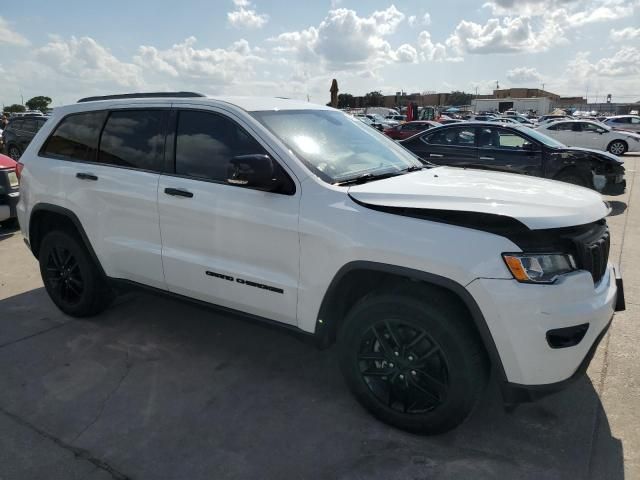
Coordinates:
column 29, row 125
column 134, row 139
column 76, row 137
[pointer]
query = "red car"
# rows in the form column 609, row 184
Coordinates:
column 9, row 188
column 409, row 129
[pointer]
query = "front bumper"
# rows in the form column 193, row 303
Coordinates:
column 520, row 315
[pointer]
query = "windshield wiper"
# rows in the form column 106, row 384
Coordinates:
column 368, row 177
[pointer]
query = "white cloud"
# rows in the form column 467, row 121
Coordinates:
column 509, row 35
column 345, row 40
column 406, row 54
column 219, row 66
column 625, row 62
column 520, row 75
column 432, row 51
column 425, row 20
column 84, row 60
column 628, row 33
column 9, row 36
column 245, row 16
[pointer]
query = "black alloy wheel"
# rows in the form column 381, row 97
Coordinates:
column 412, row 358
column 64, row 275
column 70, row 275
column 403, row 366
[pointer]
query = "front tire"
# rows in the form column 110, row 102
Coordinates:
column 71, row 277
column 617, row 147
column 414, row 364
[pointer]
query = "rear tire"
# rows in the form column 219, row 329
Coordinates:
column 617, row 147
column 14, row 152
column 414, row 364
column 71, row 277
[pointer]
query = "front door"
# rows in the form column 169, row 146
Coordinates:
column 590, row 135
column 221, row 243
column 453, row 146
column 505, row 150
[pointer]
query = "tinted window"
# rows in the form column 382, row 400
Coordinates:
column 134, row 138
column 563, row 126
column 15, row 125
column 29, row 125
column 453, row 136
column 590, row 127
column 499, row 138
column 618, row 120
column 76, row 137
column 40, row 123
column 206, row 142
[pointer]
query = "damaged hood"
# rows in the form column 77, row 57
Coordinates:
column 589, row 152
column 535, row 202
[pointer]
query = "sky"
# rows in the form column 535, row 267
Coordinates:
column 67, row 49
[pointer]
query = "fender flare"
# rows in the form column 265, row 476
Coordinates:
column 327, row 323
column 68, row 214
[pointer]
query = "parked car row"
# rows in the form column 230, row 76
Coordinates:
column 9, row 189
column 19, row 133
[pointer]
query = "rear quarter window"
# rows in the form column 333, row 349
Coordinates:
column 76, row 137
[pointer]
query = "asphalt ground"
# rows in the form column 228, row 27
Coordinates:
column 155, row 388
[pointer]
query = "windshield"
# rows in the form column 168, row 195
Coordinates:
column 335, row 146
column 542, row 138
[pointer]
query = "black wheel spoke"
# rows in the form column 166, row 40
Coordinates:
column 433, row 399
column 393, row 334
column 403, row 367
column 377, row 372
column 430, row 381
column 416, row 340
column 371, row 357
column 383, row 344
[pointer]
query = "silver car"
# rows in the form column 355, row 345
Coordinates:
column 624, row 122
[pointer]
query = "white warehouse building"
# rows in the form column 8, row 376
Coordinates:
column 539, row 105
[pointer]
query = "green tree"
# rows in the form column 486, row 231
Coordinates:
column 16, row 107
column 458, row 98
column 38, row 103
column 346, row 100
column 374, row 99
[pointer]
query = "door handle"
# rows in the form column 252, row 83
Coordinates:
column 437, row 155
column 86, row 176
column 177, row 192
column 487, row 158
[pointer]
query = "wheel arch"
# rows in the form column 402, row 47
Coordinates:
column 357, row 278
column 46, row 217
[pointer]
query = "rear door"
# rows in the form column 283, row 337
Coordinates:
column 223, row 243
column 506, row 150
column 562, row 131
column 110, row 164
column 453, row 146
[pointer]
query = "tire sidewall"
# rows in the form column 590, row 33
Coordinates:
column 85, row 265
column 461, row 395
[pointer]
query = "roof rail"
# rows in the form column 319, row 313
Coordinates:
column 143, row 95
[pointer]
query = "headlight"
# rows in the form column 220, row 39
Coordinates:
column 538, row 267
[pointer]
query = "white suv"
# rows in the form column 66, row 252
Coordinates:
column 427, row 277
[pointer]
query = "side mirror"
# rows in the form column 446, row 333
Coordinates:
column 531, row 147
column 601, row 131
column 257, row 171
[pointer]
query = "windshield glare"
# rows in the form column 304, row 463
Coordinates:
column 336, row 146
column 541, row 137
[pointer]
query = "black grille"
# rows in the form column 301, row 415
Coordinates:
column 593, row 252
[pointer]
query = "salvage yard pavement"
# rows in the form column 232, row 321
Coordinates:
column 154, row 388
